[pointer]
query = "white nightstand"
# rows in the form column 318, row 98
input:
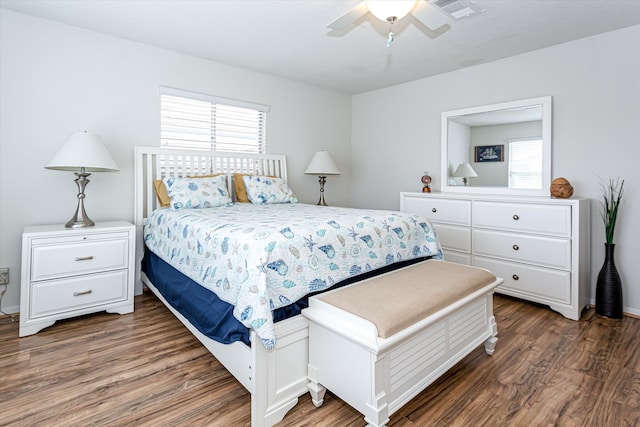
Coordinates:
column 69, row 272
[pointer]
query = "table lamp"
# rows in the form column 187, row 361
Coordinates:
column 465, row 171
column 83, row 152
column 322, row 165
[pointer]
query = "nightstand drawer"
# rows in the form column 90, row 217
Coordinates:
column 55, row 261
column 57, row 296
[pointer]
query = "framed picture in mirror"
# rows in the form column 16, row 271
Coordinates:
column 489, row 153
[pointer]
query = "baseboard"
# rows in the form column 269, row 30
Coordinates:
column 626, row 311
column 11, row 310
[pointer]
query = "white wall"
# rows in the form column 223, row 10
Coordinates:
column 56, row 79
column 595, row 86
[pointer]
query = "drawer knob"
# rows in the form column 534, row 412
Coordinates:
column 516, row 217
column 434, row 210
column 516, row 247
column 83, row 258
column 515, row 277
column 77, row 294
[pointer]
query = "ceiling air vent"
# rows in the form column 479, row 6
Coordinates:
column 457, row 8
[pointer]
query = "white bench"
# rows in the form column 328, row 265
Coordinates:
column 378, row 343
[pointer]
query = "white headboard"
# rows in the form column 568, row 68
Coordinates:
column 153, row 163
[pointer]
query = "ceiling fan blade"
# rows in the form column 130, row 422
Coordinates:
column 431, row 16
column 348, row 19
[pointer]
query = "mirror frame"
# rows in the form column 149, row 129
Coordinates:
column 545, row 101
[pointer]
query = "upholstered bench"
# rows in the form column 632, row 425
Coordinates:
column 378, row 343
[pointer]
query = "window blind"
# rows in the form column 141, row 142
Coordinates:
column 525, row 158
column 205, row 122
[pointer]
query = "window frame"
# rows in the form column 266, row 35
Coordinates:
column 539, row 174
column 218, row 123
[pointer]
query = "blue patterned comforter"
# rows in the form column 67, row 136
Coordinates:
column 262, row 257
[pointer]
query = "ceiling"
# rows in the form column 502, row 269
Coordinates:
column 289, row 38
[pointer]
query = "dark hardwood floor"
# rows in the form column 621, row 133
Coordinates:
column 145, row 368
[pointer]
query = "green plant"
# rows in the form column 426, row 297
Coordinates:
column 612, row 195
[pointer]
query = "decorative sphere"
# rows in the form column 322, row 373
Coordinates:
column 561, row 188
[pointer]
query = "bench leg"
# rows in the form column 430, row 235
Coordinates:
column 490, row 344
column 316, row 390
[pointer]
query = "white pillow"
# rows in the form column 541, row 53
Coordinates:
column 194, row 193
column 265, row 190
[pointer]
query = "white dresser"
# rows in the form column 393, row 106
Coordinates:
column 69, row 272
column 539, row 246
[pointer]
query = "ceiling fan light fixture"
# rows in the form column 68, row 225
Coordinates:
column 390, row 11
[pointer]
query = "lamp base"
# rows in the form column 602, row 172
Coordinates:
column 322, row 180
column 80, row 218
column 79, row 223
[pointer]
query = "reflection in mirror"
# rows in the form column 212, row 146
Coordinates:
column 507, row 146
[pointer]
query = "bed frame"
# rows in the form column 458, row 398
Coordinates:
column 274, row 378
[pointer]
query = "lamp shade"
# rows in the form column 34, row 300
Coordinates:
column 464, row 170
column 322, row 164
column 82, row 150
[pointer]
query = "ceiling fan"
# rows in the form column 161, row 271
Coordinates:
column 433, row 14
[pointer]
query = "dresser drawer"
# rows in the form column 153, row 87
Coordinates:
column 81, row 257
column 457, row 257
column 544, row 251
column 453, row 237
column 529, row 282
column 57, row 296
column 440, row 210
column 528, row 218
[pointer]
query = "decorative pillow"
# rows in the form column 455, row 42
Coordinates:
column 238, row 185
column 161, row 193
column 161, row 190
column 197, row 192
column 265, row 190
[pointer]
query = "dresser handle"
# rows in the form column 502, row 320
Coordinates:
column 434, row 210
column 83, row 258
column 516, row 217
column 515, row 277
column 516, row 247
column 77, row 294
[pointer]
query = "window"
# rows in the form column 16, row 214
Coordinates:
column 525, row 163
column 204, row 122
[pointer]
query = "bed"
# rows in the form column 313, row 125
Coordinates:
column 262, row 278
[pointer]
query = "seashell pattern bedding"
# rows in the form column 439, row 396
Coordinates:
column 262, row 257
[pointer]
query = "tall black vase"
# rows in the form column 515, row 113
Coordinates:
column 609, row 287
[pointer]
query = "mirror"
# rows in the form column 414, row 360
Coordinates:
column 498, row 149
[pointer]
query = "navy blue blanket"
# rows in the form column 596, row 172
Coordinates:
column 214, row 317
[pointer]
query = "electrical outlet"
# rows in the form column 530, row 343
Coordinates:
column 4, row 276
